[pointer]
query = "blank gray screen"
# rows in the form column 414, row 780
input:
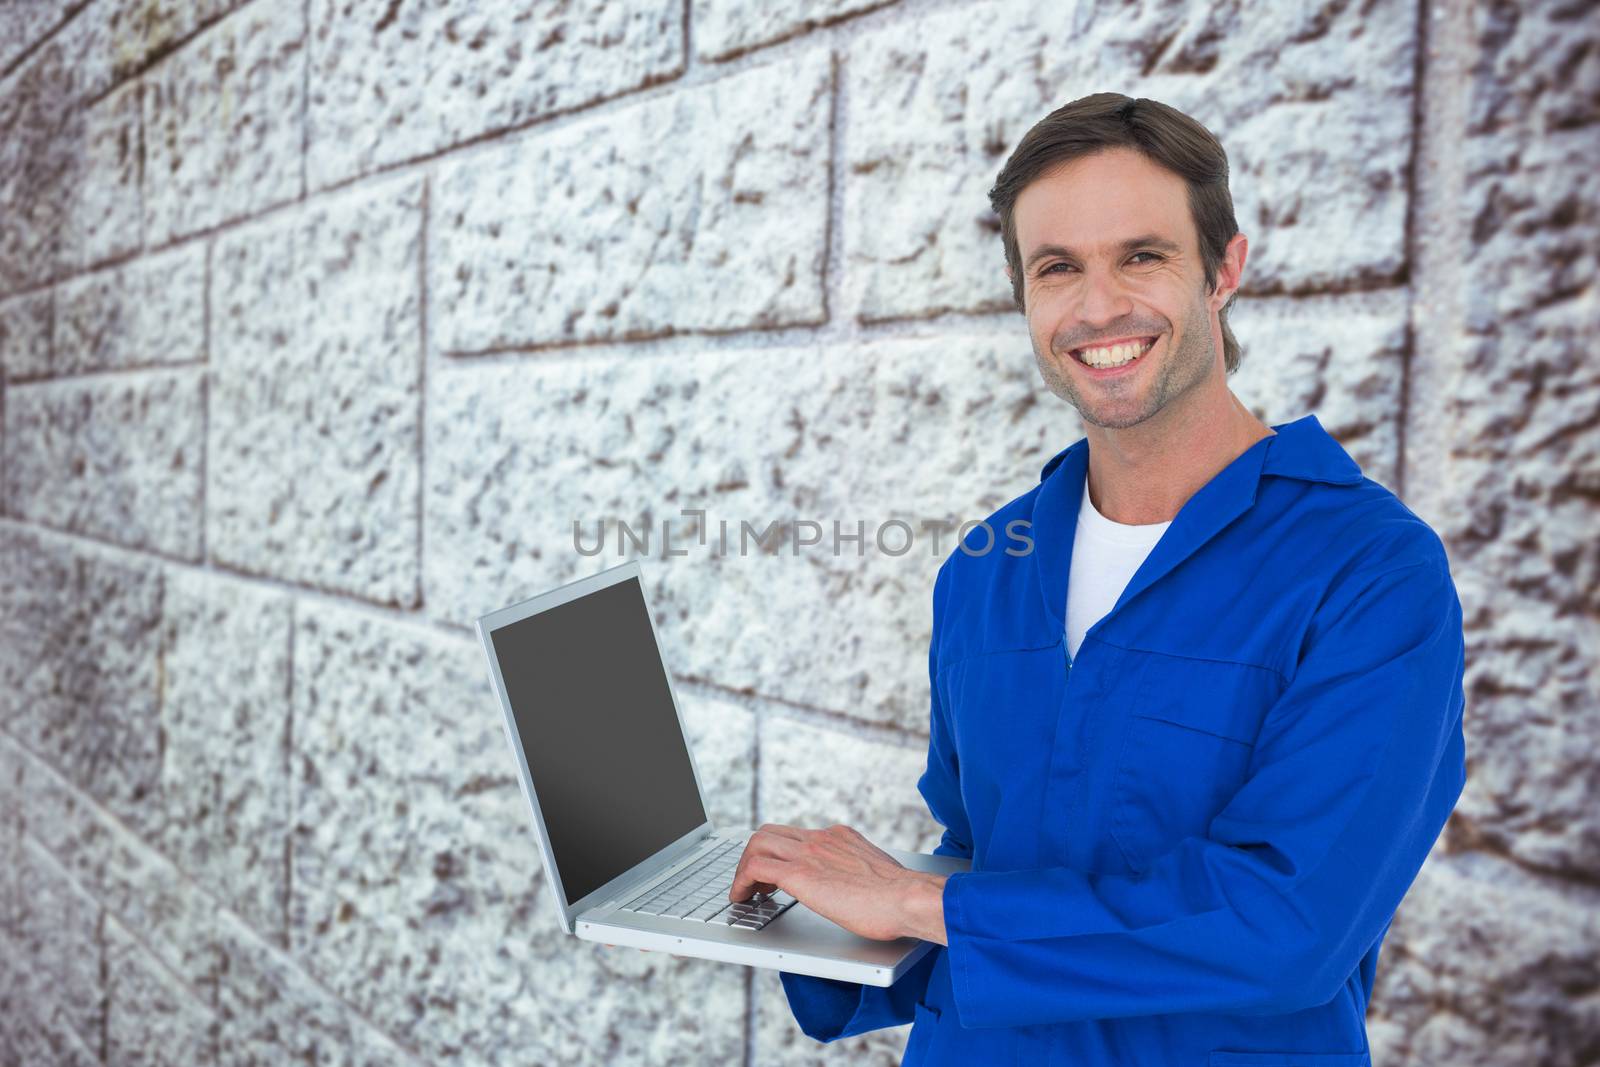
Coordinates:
column 610, row 768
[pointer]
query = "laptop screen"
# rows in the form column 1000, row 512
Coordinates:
column 608, row 760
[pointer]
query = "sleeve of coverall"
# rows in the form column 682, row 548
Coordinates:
column 828, row 1009
column 1356, row 768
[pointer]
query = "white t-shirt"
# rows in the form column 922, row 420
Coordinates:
column 1105, row 555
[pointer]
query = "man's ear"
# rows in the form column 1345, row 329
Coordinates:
column 1008, row 274
column 1231, row 270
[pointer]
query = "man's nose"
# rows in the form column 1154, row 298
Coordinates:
column 1102, row 300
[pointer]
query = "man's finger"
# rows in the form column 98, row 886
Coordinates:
column 781, row 830
column 745, row 878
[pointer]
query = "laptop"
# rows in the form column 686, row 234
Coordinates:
column 597, row 737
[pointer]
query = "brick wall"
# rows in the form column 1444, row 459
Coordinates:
column 320, row 324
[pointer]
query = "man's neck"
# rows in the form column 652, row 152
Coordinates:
column 1145, row 473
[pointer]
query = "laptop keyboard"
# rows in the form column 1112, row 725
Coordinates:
column 699, row 893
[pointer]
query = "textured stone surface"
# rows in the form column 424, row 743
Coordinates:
column 102, row 215
column 25, row 335
column 316, row 365
column 142, row 889
column 393, row 81
column 1421, row 275
column 129, row 34
column 417, row 892
column 1341, row 357
column 270, row 1012
column 723, row 29
column 151, row 311
column 11, row 805
column 152, row 1017
column 23, row 23
column 517, row 454
column 36, row 157
column 114, row 458
column 1467, row 972
column 1525, row 422
column 225, row 761
column 934, row 115
column 720, row 223
column 59, row 930
column 813, row 777
column 223, row 120
column 78, row 678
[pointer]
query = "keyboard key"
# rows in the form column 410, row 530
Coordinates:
column 705, row 911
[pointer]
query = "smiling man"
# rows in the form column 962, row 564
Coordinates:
column 1199, row 742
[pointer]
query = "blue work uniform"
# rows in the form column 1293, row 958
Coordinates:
column 1187, row 843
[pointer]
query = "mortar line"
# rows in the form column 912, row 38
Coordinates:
column 424, row 346
column 105, row 979
column 21, row 59
column 305, row 97
column 205, row 397
column 1435, row 249
column 290, row 794
column 97, row 374
column 165, row 50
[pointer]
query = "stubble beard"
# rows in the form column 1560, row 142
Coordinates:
column 1108, row 405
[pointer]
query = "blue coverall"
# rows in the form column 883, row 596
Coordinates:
column 1187, row 843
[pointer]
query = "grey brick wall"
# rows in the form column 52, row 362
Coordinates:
column 320, row 323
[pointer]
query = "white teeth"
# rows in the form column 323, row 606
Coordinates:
column 1114, row 356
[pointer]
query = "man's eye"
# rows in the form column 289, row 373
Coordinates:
column 1153, row 257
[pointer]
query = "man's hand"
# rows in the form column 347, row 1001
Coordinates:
column 842, row 876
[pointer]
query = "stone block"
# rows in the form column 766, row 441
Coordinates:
column 116, row 458
column 225, row 763
column 102, row 215
column 934, row 116
column 813, row 777
column 223, row 122
column 270, row 1012
column 151, row 1016
column 1522, row 471
column 316, row 365
column 36, row 160
column 390, row 82
column 79, row 630
column 909, row 430
column 59, row 937
column 417, row 893
column 722, row 739
column 1479, row 965
column 25, row 335
column 1341, row 358
column 578, row 234
column 150, row 311
column 724, row 30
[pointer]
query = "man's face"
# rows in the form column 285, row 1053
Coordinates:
column 1096, row 287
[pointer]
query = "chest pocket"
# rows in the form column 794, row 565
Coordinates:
column 1186, row 750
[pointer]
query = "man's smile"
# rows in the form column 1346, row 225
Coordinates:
column 1103, row 356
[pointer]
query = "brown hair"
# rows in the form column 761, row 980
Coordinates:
column 1166, row 136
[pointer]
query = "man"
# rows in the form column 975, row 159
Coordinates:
column 1199, row 741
